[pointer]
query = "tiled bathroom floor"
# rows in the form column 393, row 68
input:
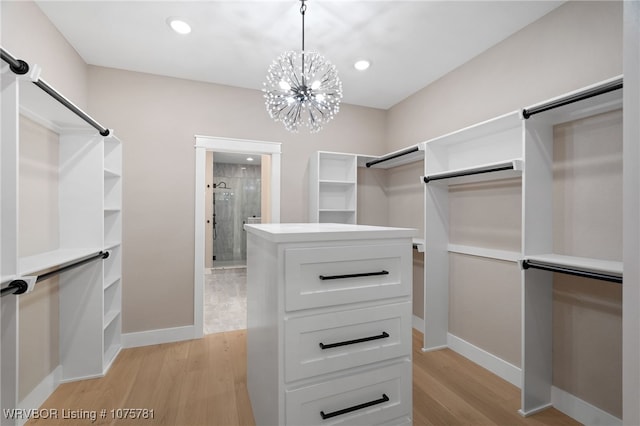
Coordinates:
column 225, row 300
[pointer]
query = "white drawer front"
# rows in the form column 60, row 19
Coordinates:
column 387, row 389
column 349, row 339
column 324, row 276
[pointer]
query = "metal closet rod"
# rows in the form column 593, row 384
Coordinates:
column 526, row 264
column 20, row 67
column 391, row 156
column 600, row 90
column 428, row 179
column 20, row 286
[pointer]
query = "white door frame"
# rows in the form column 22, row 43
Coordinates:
column 209, row 143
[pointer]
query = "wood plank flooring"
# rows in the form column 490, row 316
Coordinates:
column 203, row 382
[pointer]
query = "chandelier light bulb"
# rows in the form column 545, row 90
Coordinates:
column 284, row 85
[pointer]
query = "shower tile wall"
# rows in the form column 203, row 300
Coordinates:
column 232, row 208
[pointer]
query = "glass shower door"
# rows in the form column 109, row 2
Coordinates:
column 236, row 198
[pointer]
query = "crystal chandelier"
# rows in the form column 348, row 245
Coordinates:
column 302, row 88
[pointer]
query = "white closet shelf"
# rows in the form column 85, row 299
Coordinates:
column 7, row 278
column 109, row 283
column 47, row 111
column 488, row 128
column 588, row 107
column 336, row 182
column 418, row 244
column 397, row 158
column 109, row 173
column 505, row 255
column 111, row 352
column 109, row 317
column 580, row 263
column 110, row 245
column 337, row 210
column 37, row 263
column 111, row 209
column 484, row 172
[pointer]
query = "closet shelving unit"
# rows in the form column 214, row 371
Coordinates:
column 90, row 223
column 515, row 145
column 491, row 150
column 333, row 188
column 333, row 183
column 408, row 155
column 539, row 259
column 112, row 275
column 397, row 158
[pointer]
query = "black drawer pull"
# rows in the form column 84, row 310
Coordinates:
column 351, row 342
column 384, row 398
column 364, row 274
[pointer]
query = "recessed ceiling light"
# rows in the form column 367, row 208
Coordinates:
column 179, row 26
column 249, row 158
column 362, row 65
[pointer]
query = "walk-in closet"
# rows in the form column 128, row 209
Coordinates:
column 320, row 212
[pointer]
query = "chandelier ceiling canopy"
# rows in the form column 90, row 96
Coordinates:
column 302, row 88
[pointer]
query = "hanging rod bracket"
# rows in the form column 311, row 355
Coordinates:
column 31, row 284
column 22, row 285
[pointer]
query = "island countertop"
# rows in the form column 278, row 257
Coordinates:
column 295, row 232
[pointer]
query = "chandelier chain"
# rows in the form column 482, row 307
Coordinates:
column 303, row 9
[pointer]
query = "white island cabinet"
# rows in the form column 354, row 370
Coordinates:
column 329, row 324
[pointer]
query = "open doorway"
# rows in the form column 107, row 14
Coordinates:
column 230, row 191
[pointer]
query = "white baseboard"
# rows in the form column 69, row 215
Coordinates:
column 581, row 410
column 497, row 366
column 418, row 323
column 156, row 337
column 41, row 392
column 563, row 401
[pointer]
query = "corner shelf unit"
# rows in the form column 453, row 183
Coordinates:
column 333, row 188
column 90, row 221
column 333, row 182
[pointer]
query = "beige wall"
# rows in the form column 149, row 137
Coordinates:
column 38, row 231
column 587, row 338
column 157, row 127
column 28, row 34
column 576, row 45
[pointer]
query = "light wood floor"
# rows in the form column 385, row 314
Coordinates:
column 203, row 382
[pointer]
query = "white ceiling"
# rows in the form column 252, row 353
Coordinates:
column 409, row 43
